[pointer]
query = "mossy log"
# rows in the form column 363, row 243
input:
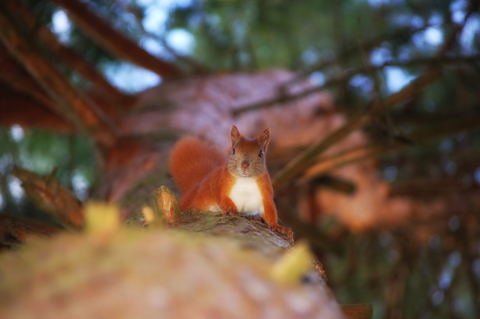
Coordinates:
column 194, row 265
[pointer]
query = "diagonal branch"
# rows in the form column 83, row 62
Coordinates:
column 434, row 131
column 15, row 106
column 421, row 61
column 113, row 41
column 193, row 64
column 457, row 29
column 74, row 105
column 308, row 157
column 20, row 81
column 305, row 159
column 72, row 59
column 284, row 98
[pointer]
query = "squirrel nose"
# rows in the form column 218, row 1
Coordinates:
column 245, row 164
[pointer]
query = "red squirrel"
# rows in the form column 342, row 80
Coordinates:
column 240, row 185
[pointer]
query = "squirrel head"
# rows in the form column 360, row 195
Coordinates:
column 247, row 155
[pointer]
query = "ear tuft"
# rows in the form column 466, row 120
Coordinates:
column 264, row 138
column 234, row 134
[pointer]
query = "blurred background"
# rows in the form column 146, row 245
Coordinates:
column 373, row 106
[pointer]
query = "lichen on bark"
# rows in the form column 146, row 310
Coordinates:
column 197, row 265
column 152, row 273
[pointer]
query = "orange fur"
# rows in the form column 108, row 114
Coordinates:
column 266, row 188
column 200, row 173
column 191, row 160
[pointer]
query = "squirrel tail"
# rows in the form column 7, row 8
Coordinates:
column 191, row 160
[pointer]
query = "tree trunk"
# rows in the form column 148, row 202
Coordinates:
column 194, row 264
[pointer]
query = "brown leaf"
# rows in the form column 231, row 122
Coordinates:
column 49, row 195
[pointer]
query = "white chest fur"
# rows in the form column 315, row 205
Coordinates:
column 246, row 195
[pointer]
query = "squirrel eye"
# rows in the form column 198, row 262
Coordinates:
column 260, row 154
column 233, row 151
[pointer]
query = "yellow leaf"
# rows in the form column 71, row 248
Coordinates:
column 293, row 265
column 150, row 218
column 101, row 217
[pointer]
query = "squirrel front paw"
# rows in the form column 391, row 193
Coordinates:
column 231, row 212
column 284, row 231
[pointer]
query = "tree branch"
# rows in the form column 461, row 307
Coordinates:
column 283, row 98
column 271, row 102
column 68, row 56
column 19, row 80
column 113, row 41
column 193, row 63
column 433, row 131
column 307, row 157
column 15, row 106
column 75, row 106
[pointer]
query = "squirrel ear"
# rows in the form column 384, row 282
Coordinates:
column 264, row 138
column 234, row 134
